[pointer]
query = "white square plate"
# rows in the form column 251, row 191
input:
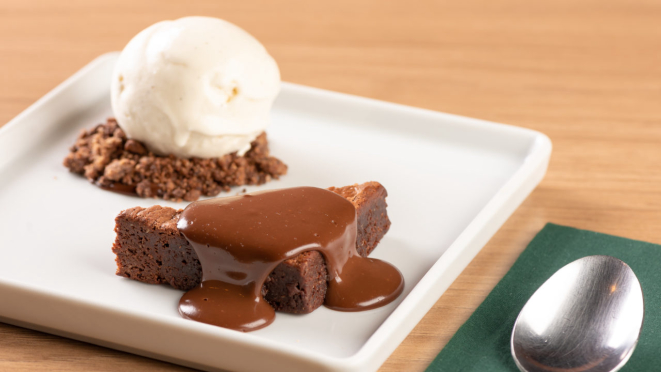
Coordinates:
column 452, row 182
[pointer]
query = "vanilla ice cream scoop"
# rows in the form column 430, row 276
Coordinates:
column 194, row 87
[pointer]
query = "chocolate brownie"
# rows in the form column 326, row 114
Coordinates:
column 150, row 249
column 106, row 157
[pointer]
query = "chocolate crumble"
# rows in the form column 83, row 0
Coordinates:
column 106, row 157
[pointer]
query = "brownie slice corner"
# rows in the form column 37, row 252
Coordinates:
column 150, row 248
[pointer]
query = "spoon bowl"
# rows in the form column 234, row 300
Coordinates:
column 586, row 318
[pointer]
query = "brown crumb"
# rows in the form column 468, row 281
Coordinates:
column 106, row 157
column 135, row 147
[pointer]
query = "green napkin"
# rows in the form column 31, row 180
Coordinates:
column 482, row 344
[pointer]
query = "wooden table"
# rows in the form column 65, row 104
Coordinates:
column 585, row 72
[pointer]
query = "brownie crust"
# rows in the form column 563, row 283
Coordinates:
column 105, row 156
column 150, row 249
column 373, row 223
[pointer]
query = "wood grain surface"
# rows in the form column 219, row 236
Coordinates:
column 585, row 72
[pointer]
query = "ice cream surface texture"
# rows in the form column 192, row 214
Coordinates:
column 194, row 87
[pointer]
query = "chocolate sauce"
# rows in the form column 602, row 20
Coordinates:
column 119, row 188
column 365, row 283
column 240, row 240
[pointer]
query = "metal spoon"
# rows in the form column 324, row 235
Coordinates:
column 586, row 317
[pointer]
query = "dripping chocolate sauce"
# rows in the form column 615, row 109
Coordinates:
column 119, row 188
column 240, row 240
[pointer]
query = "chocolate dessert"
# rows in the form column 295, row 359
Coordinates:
column 240, row 240
column 150, row 248
column 106, row 157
